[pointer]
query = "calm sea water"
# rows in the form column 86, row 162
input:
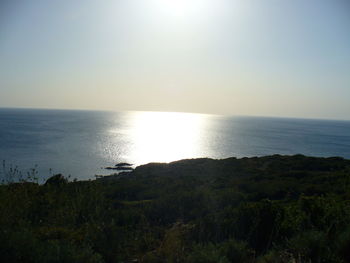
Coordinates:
column 81, row 143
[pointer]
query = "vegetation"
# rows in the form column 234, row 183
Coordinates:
column 272, row 209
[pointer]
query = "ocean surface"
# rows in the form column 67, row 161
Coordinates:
column 82, row 143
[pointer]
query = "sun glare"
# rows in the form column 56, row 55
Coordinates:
column 182, row 9
column 164, row 136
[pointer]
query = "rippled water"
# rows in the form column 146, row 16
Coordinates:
column 81, row 142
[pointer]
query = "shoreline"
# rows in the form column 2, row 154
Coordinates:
column 163, row 167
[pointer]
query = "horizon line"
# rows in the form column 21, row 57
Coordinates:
column 180, row 112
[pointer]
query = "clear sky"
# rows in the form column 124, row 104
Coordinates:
column 234, row 57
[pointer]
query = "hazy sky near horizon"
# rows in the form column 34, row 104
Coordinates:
column 235, row 57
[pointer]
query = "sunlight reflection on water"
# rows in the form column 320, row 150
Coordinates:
column 163, row 136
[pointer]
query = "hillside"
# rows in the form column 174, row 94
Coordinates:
column 267, row 209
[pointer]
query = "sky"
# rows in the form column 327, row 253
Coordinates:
column 231, row 57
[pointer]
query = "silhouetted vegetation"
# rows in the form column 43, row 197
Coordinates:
column 271, row 209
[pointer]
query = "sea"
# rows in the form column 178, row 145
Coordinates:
column 81, row 144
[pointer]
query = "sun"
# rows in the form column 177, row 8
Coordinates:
column 181, row 9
